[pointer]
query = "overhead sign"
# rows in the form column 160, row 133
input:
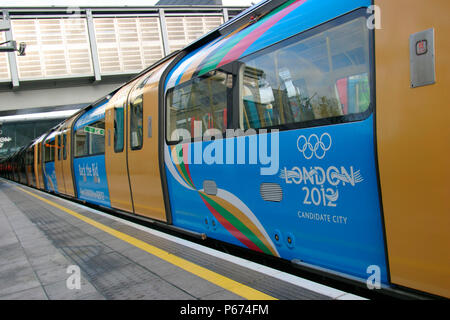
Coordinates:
column 93, row 130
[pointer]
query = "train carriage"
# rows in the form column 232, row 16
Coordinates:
column 301, row 129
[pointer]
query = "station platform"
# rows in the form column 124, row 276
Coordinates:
column 55, row 249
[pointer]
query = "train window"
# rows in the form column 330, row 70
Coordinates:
column 49, row 151
column 81, row 143
column 90, row 139
column 59, row 146
column 118, row 129
column 201, row 102
column 296, row 81
column 136, row 123
column 65, row 146
column 97, row 137
column 30, row 157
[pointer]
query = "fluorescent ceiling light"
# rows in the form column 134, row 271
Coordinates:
column 38, row 116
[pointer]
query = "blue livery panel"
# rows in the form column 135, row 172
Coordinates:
column 90, row 177
column 329, row 214
column 308, row 194
column 50, row 177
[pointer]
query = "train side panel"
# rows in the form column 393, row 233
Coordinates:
column 89, row 157
column 116, row 113
column 318, row 203
column 413, row 144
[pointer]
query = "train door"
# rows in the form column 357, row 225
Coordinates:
column 116, row 152
column 35, row 163
column 59, row 162
column 413, row 135
column 48, row 169
column 39, row 163
column 66, row 157
column 143, row 146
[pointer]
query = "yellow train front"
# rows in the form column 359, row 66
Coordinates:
column 313, row 131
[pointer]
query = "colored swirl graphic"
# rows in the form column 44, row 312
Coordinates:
column 228, row 210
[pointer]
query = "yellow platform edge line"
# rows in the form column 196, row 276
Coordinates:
column 211, row 276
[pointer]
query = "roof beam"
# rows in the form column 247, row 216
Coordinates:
column 11, row 55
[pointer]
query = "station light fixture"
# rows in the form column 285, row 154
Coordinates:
column 11, row 46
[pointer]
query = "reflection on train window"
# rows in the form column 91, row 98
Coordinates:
column 97, row 138
column 323, row 76
column 90, row 139
column 136, row 128
column 202, row 102
column 81, row 143
column 64, row 146
column 49, row 150
column 118, row 129
column 59, row 146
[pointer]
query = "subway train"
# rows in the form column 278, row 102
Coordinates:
column 313, row 131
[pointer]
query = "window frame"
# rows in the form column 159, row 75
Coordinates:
column 231, row 69
column 123, row 128
column 51, row 150
column 89, row 140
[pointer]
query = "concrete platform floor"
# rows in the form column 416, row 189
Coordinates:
column 43, row 249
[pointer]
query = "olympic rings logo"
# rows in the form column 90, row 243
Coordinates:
column 314, row 146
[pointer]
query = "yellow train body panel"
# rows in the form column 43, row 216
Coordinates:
column 413, row 135
column 143, row 162
column 116, row 162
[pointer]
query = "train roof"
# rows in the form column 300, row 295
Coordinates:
column 286, row 20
